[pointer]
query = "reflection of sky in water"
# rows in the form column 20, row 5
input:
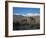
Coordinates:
column 25, row 11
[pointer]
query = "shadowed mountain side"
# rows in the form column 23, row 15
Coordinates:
column 26, row 23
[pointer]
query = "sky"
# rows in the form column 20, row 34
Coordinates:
column 26, row 11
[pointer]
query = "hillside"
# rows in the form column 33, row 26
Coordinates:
column 19, row 18
column 26, row 23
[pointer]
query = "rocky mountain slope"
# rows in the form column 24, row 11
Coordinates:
column 30, row 20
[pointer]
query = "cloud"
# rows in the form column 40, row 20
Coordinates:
column 32, row 14
column 16, row 14
column 28, row 14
